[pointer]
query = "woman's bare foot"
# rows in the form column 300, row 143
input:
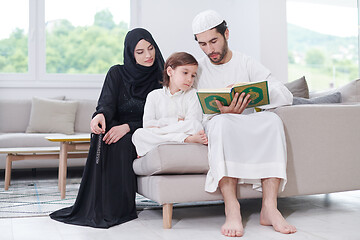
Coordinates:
column 233, row 224
column 199, row 137
column 272, row 217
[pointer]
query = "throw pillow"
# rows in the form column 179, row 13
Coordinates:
column 350, row 92
column 17, row 114
column 52, row 116
column 331, row 98
column 298, row 88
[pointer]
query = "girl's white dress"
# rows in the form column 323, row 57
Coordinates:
column 161, row 123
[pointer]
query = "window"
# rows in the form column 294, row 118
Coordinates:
column 69, row 40
column 323, row 42
column 14, row 36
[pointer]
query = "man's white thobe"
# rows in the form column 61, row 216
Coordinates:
column 250, row 146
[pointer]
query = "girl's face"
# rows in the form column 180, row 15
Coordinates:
column 181, row 78
column 144, row 53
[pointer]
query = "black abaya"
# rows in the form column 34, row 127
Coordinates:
column 107, row 191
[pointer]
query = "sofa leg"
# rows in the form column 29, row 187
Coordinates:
column 167, row 215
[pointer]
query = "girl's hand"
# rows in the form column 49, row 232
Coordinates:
column 99, row 119
column 115, row 133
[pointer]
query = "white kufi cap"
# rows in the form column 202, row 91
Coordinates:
column 206, row 20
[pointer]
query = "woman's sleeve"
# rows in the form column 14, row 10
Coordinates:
column 134, row 125
column 108, row 98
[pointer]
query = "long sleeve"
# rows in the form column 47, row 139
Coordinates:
column 150, row 118
column 107, row 102
column 135, row 125
column 116, row 103
column 279, row 95
column 193, row 111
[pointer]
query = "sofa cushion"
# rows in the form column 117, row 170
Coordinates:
column 177, row 158
column 298, row 88
column 52, row 116
column 330, row 98
column 12, row 140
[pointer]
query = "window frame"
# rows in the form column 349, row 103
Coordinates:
column 37, row 77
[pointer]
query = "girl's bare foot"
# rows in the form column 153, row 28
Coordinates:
column 199, row 137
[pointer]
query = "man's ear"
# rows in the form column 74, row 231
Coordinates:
column 226, row 33
column 169, row 71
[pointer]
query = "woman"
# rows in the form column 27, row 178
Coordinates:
column 107, row 192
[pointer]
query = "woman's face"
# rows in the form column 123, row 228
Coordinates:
column 144, row 53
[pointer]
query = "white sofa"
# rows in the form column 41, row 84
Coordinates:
column 322, row 157
column 14, row 119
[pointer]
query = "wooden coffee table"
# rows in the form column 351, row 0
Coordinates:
column 68, row 143
column 29, row 153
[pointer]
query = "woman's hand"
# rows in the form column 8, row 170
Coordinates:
column 115, row 133
column 99, row 119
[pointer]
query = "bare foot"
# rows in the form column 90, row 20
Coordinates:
column 272, row 217
column 233, row 225
column 199, row 137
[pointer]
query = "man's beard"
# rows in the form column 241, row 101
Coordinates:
column 222, row 54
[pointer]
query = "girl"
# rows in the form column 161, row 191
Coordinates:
column 107, row 192
column 173, row 113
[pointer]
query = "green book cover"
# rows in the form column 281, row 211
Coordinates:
column 259, row 95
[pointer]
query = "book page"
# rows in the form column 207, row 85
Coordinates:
column 215, row 90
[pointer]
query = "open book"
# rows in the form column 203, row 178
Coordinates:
column 259, row 95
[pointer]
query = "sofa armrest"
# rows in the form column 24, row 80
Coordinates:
column 322, row 147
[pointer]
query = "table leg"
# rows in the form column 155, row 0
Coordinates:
column 8, row 171
column 63, row 167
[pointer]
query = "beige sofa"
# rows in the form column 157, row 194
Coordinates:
column 14, row 120
column 322, row 157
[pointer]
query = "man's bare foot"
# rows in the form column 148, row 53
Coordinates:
column 273, row 217
column 199, row 137
column 233, row 224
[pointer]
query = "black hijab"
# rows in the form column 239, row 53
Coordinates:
column 141, row 79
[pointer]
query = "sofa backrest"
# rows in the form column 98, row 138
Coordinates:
column 84, row 112
column 14, row 115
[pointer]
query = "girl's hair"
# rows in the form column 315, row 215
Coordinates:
column 175, row 60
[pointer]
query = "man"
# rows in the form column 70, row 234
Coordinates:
column 244, row 147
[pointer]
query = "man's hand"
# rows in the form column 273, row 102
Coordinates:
column 115, row 133
column 238, row 104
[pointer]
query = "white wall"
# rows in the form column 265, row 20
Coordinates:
column 257, row 28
